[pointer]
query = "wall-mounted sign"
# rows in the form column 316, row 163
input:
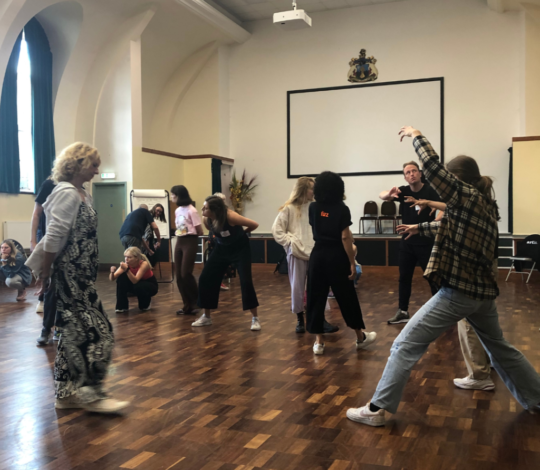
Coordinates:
column 362, row 69
column 108, row 176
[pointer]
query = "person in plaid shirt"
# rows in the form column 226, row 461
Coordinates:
column 462, row 264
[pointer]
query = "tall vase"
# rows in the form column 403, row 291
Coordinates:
column 239, row 207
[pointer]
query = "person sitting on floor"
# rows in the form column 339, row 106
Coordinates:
column 12, row 269
column 135, row 276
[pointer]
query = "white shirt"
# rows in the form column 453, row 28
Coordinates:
column 61, row 209
column 291, row 229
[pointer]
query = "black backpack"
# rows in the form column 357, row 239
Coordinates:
column 282, row 266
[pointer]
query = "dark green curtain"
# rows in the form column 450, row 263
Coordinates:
column 10, row 173
column 216, row 175
column 41, row 62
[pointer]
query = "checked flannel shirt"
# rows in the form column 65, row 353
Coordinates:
column 466, row 239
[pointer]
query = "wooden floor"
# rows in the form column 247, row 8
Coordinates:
column 224, row 397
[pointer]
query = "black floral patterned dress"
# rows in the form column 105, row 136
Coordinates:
column 87, row 341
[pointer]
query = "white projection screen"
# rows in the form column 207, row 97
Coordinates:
column 353, row 130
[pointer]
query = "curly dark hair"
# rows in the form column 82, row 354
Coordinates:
column 181, row 192
column 329, row 187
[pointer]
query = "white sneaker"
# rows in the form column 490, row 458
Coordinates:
column 70, row 402
column 147, row 308
column 121, row 310
column 468, row 383
column 39, row 308
column 107, row 405
column 370, row 338
column 365, row 416
column 255, row 324
column 318, row 349
column 202, row 321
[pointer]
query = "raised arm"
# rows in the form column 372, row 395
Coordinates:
column 450, row 189
column 391, row 194
column 429, row 229
column 237, row 219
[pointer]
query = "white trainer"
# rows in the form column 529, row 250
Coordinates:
column 202, row 321
column 318, row 349
column 105, row 406
column 370, row 338
column 365, row 416
column 468, row 383
column 120, row 310
column 67, row 403
column 39, row 308
column 255, row 324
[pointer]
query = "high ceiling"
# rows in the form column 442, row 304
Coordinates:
column 249, row 10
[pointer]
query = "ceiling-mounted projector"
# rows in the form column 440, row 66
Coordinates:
column 294, row 19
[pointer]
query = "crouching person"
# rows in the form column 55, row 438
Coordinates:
column 135, row 275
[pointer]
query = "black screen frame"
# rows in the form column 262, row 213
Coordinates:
column 368, row 85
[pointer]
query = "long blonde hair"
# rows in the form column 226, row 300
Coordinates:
column 298, row 196
column 14, row 251
column 137, row 253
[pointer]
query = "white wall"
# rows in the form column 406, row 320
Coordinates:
column 476, row 49
column 113, row 128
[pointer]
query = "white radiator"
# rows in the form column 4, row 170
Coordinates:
column 19, row 231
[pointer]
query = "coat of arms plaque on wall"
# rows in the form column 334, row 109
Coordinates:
column 362, row 68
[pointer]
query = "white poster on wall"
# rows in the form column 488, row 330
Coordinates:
column 151, row 197
column 353, row 130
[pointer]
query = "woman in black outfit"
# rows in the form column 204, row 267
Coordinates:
column 332, row 263
column 158, row 213
column 232, row 246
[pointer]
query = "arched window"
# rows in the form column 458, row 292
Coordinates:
column 24, row 119
column 26, row 113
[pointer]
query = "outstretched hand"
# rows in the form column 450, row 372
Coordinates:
column 394, row 192
column 421, row 203
column 408, row 230
column 408, row 131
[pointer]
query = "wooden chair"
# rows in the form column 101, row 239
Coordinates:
column 371, row 213
column 388, row 212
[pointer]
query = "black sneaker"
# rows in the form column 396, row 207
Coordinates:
column 400, row 317
column 328, row 328
column 300, row 327
column 43, row 340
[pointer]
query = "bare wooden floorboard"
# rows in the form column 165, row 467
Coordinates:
column 226, row 398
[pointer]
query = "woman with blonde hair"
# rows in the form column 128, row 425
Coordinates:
column 87, row 341
column 134, row 275
column 291, row 230
column 12, row 269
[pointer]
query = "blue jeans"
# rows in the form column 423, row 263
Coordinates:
column 442, row 311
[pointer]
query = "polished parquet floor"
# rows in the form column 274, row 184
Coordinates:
column 226, row 398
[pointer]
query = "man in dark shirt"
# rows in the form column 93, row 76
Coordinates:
column 133, row 228
column 47, row 302
column 414, row 249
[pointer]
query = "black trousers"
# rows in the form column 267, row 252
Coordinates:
column 49, row 307
column 329, row 267
column 409, row 256
column 143, row 290
column 221, row 257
